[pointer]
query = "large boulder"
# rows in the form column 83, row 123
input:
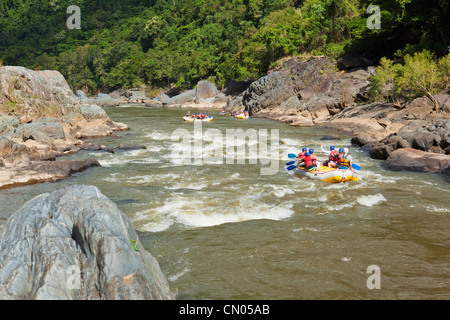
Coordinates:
column 186, row 97
column 105, row 100
column 205, row 90
column 92, row 111
column 310, row 88
column 417, row 160
column 76, row 244
column 31, row 90
column 268, row 92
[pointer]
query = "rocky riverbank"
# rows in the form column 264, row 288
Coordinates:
column 75, row 244
column 41, row 119
column 205, row 95
column 315, row 92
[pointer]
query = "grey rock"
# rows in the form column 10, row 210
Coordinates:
column 8, row 123
column 235, row 88
column 40, row 131
column 205, row 89
column 75, row 244
column 164, row 98
column 129, row 147
column 306, row 93
column 105, row 100
column 92, row 111
column 81, row 95
column 184, row 97
column 32, row 90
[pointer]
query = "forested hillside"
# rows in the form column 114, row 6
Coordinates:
column 159, row 43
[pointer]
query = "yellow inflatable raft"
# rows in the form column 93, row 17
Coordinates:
column 242, row 116
column 326, row 174
column 190, row 119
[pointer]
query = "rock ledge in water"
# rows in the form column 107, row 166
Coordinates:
column 75, row 244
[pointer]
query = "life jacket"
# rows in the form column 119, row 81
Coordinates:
column 310, row 162
column 301, row 156
column 344, row 162
column 334, row 156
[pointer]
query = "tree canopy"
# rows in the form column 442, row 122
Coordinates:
column 161, row 43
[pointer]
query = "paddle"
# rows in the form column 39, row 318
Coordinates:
column 292, row 156
column 356, row 167
column 291, row 168
column 290, row 163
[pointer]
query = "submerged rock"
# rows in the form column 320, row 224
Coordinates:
column 76, row 244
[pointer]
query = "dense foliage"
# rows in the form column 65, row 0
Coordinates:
column 419, row 75
column 159, row 43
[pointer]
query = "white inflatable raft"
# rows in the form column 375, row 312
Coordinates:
column 190, row 119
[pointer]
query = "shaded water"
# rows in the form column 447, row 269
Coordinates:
column 224, row 231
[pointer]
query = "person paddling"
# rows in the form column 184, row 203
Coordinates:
column 345, row 161
column 310, row 161
column 301, row 156
column 333, row 157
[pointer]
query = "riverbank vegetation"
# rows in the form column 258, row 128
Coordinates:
column 420, row 74
column 167, row 43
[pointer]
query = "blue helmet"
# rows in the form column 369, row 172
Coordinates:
column 304, row 149
column 306, row 154
column 311, row 151
column 332, row 148
column 341, row 150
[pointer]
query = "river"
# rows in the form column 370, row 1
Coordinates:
column 226, row 231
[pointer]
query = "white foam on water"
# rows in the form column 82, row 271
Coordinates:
column 434, row 208
column 194, row 212
column 154, row 148
column 148, row 179
column 187, row 185
column 113, row 161
column 371, row 200
column 281, row 190
column 120, row 159
column 292, row 143
column 179, row 274
column 377, row 177
column 159, row 135
column 307, row 229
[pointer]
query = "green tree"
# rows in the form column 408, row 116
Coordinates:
column 384, row 82
column 420, row 76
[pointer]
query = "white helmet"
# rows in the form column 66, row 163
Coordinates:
column 345, row 150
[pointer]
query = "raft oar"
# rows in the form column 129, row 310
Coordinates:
column 292, row 156
column 290, row 163
column 356, row 167
column 291, row 168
